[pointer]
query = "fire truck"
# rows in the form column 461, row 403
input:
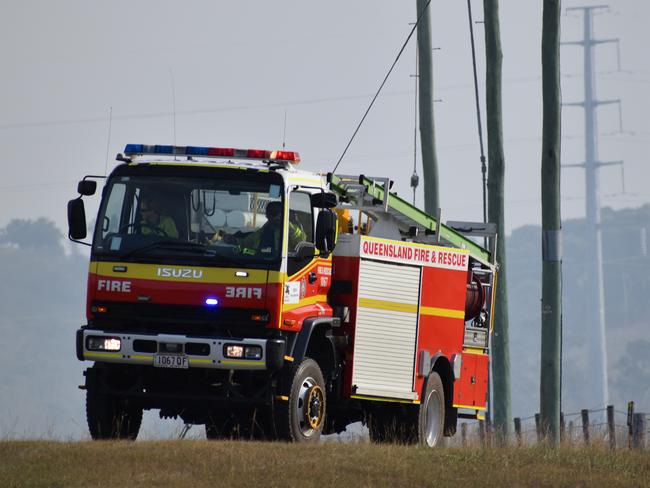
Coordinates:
column 230, row 289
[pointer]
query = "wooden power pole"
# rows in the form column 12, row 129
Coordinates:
column 427, row 127
column 501, row 409
column 551, row 366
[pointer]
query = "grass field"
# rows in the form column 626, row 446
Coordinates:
column 198, row 464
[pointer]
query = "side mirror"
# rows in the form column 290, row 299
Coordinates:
column 323, row 200
column 326, row 231
column 77, row 219
column 305, row 250
column 87, row 187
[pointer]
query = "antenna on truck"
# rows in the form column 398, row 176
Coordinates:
column 108, row 139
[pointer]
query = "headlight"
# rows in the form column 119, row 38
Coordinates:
column 253, row 352
column 97, row 343
column 236, row 351
column 233, row 351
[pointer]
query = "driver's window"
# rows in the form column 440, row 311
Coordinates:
column 301, row 228
column 300, row 219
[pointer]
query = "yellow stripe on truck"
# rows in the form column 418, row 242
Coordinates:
column 304, row 302
column 142, row 358
column 382, row 399
column 110, row 355
column 207, row 274
column 386, row 305
column 411, row 308
column 200, row 361
column 443, row 312
column 243, row 363
column 469, row 407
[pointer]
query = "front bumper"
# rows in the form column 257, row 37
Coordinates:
column 140, row 349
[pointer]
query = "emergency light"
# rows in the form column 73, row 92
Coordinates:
column 214, row 152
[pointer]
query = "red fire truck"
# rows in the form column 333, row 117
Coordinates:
column 231, row 289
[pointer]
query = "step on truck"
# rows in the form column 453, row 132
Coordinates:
column 230, row 289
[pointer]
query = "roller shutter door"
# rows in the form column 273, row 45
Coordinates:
column 386, row 330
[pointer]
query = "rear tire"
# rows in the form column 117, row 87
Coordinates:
column 302, row 417
column 431, row 416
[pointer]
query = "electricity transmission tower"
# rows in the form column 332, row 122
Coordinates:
column 594, row 314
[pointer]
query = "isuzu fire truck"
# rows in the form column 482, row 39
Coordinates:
column 267, row 302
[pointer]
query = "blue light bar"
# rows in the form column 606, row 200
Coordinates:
column 133, row 149
column 196, row 151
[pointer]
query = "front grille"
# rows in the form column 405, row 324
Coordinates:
column 197, row 349
column 145, row 346
column 149, row 318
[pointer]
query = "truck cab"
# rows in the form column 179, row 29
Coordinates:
column 201, row 277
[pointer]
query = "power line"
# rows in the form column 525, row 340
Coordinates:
column 399, row 54
column 234, row 108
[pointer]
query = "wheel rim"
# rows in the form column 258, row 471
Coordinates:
column 310, row 406
column 314, row 407
column 433, row 418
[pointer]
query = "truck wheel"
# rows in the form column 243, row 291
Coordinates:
column 431, row 416
column 302, row 417
column 111, row 418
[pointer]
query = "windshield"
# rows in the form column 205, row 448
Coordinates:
column 171, row 216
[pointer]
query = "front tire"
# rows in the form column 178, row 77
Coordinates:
column 110, row 417
column 302, row 417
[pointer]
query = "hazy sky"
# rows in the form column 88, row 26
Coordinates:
column 234, row 67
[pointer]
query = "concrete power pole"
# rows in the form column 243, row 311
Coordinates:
column 501, row 407
column 551, row 364
column 594, row 314
column 427, row 127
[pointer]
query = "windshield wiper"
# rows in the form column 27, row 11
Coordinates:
column 167, row 244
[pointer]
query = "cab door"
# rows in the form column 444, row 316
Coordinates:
column 308, row 278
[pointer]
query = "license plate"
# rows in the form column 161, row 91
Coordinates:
column 170, row 361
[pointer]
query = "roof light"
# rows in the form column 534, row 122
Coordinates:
column 220, row 151
column 292, row 156
column 215, row 152
column 258, row 154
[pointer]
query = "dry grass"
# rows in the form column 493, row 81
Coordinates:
column 198, row 464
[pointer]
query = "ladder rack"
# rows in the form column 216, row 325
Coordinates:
column 371, row 191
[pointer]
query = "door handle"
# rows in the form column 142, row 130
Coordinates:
column 312, row 278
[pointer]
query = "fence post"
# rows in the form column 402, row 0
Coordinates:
column 630, row 426
column 638, row 431
column 570, row 437
column 585, row 424
column 463, row 434
column 538, row 427
column 611, row 427
column 562, row 427
column 488, row 432
column 518, row 431
column 481, row 432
